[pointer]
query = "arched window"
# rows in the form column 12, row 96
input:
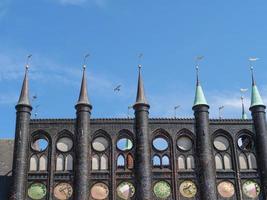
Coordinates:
column 130, row 161
column 190, row 164
column 181, row 162
column 252, row 163
column 165, row 161
column 227, row 161
column 218, row 162
column 104, row 162
column 95, row 162
column 33, row 163
column 156, row 161
column 69, row 163
column 120, row 161
column 43, row 163
column 60, row 163
column 243, row 161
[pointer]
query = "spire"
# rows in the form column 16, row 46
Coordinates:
column 24, row 98
column 83, row 98
column 140, row 97
column 199, row 95
column 244, row 115
column 256, row 99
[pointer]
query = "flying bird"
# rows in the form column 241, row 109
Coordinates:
column 117, row 88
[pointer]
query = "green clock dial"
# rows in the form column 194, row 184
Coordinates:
column 37, row 191
column 162, row 189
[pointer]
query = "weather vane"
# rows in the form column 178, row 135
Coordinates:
column 220, row 111
column 85, row 60
column 140, row 56
column 175, row 110
column 28, row 61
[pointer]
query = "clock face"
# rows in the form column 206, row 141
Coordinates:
column 99, row 191
column 226, row 189
column 162, row 189
column 188, row 189
column 125, row 190
column 37, row 191
column 63, row 191
column 251, row 189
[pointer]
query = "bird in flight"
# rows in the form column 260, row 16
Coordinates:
column 117, row 88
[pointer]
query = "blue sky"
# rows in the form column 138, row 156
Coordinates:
column 170, row 34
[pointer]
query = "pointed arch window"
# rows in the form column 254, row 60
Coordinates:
column 120, row 161
column 181, row 162
column 33, row 163
column 130, row 161
column 60, row 162
column 252, row 162
column 243, row 161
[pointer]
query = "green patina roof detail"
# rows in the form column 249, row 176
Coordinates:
column 244, row 116
column 256, row 99
column 200, row 97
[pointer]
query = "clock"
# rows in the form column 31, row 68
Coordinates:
column 226, row 189
column 125, row 190
column 162, row 189
column 99, row 191
column 251, row 189
column 63, row 191
column 37, row 191
column 188, row 189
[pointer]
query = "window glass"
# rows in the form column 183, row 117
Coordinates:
column 221, row 143
column 245, row 142
column 60, row 163
column 69, row 163
column 156, row 161
column 124, row 144
column 218, row 162
column 104, row 162
column 165, row 161
column 184, row 143
column 95, row 162
column 125, row 190
column 227, row 161
column 64, row 144
column 99, row 191
column 100, row 144
column 33, row 163
column 190, row 162
column 160, row 144
column 43, row 163
column 162, row 189
column 40, row 144
column 252, row 163
column 243, row 161
column 226, row 189
column 120, row 161
column 181, row 162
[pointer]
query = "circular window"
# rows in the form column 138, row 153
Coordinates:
column 251, row 189
column 100, row 144
column 125, row 190
column 184, row 143
column 162, row 189
column 99, row 191
column 160, row 144
column 63, row 191
column 64, row 144
column 37, row 191
column 226, row 189
column 124, row 144
column 245, row 142
column 40, row 144
column 188, row 189
column 221, row 143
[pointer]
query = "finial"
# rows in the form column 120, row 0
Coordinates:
column 85, row 61
column 28, row 61
column 251, row 60
column 139, row 61
column 198, row 58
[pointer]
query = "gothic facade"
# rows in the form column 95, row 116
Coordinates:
column 141, row 158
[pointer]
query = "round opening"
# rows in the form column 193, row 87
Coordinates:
column 99, row 191
column 40, row 144
column 221, row 143
column 184, row 143
column 226, row 189
column 100, row 144
column 188, row 189
column 64, row 144
column 160, row 144
column 124, row 144
column 251, row 189
column 63, row 191
column 37, row 191
column 162, row 189
column 125, row 190
column 245, row 142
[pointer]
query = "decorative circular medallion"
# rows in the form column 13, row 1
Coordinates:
column 162, row 189
column 221, row 143
column 40, row 144
column 37, row 191
column 124, row 144
column 63, row 191
column 184, row 143
column 226, row 189
column 64, row 144
column 99, row 191
column 100, row 144
column 251, row 189
column 188, row 189
column 125, row 190
column 160, row 144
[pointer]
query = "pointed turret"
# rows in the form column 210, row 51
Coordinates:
column 140, row 96
column 83, row 98
column 24, row 98
column 256, row 99
column 199, row 95
column 244, row 114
